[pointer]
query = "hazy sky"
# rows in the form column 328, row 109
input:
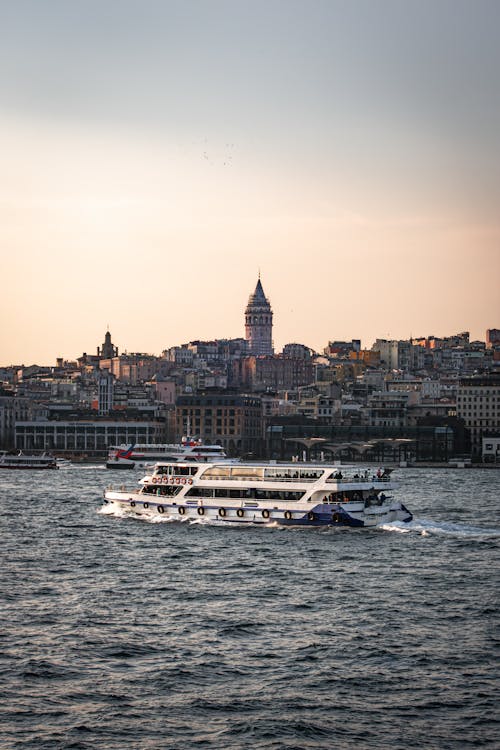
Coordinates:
column 154, row 155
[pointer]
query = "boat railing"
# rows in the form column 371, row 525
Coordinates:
column 293, row 480
column 358, row 479
column 254, row 478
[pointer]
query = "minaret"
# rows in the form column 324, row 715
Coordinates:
column 259, row 323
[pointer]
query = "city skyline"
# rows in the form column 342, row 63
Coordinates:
column 155, row 156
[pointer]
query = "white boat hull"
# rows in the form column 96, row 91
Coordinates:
column 336, row 514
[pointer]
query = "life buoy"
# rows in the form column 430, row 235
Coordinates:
column 154, row 480
column 177, row 480
column 240, row 512
column 182, row 510
column 288, row 515
column 165, row 480
column 145, row 505
column 132, row 504
column 222, row 511
column 190, row 481
column 201, row 511
column 160, row 509
column 310, row 516
column 265, row 513
column 172, row 480
column 183, row 480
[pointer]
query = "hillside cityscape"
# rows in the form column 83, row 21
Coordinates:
column 426, row 399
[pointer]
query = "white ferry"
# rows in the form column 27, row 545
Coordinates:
column 285, row 494
column 126, row 457
column 24, row 461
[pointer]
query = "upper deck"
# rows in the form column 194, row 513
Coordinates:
column 288, row 473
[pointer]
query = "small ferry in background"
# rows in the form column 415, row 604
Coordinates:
column 22, row 460
column 263, row 493
column 190, row 449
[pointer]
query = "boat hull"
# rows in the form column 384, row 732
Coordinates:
column 29, row 468
column 355, row 515
column 120, row 464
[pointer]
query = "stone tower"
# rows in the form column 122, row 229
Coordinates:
column 259, row 323
column 107, row 350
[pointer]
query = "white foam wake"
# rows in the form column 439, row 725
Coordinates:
column 426, row 527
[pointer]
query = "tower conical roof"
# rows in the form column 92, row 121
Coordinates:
column 258, row 298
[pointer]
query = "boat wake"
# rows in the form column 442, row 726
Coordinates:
column 426, row 527
column 117, row 512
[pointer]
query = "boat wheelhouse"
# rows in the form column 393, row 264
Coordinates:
column 286, row 494
column 22, row 460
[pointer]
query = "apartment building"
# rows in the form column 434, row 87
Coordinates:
column 478, row 404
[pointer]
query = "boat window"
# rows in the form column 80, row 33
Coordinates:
column 217, row 472
column 281, row 495
column 233, row 493
column 183, row 471
column 176, row 470
column 166, row 490
column 200, row 492
column 247, row 472
column 310, row 474
column 283, row 474
column 164, row 469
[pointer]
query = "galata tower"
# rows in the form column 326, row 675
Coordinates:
column 259, row 323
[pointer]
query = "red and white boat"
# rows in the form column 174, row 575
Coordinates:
column 126, row 457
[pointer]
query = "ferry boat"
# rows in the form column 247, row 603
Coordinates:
column 22, row 460
column 262, row 493
column 126, row 457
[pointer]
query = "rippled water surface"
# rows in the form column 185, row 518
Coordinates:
column 118, row 632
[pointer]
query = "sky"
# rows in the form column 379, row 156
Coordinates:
column 156, row 156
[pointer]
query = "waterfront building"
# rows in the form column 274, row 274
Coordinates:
column 12, row 408
column 259, row 323
column 228, row 419
column 478, row 404
column 85, row 436
column 491, row 449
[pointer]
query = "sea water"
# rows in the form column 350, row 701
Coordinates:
column 121, row 632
